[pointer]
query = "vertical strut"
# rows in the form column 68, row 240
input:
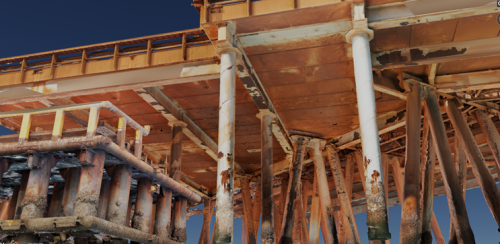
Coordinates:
column 87, row 198
column 427, row 165
column 179, row 231
column 119, row 193
column 411, row 194
column 102, row 210
column 461, row 167
column 72, row 178
column 315, row 218
column 293, row 191
column 479, row 167
column 247, row 209
column 267, row 232
column 454, row 194
column 143, row 214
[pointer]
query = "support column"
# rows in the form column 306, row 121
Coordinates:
column 479, row 167
column 490, row 132
column 315, row 217
column 247, row 209
column 225, row 162
column 22, row 191
column 55, row 207
column 267, row 232
column 456, row 203
column 376, row 206
column 102, row 210
column 256, row 206
column 163, row 213
column 72, row 178
column 13, row 202
column 179, row 230
column 87, row 198
column 343, row 195
column 208, row 211
column 461, row 167
column 143, row 214
column 293, row 190
column 119, row 193
column 35, row 199
column 428, row 163
column 4, row 166
column 330, row 229
column 411, row 193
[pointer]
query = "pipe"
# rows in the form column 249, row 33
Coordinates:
column 106, row 144
column 225, row 162
column 456, row 203
column 143, row 214
column 87, row 198
column 376, row 206
column 22, row 191
column 179, row 226
column 410, row 206
column 35, row 198
column 163, row 213
column 267, row 229
column 119, row 193
column 81, row 223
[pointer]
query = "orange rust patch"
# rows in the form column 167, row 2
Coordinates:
column 220, row 155
column 225, row 179
column 374, row 182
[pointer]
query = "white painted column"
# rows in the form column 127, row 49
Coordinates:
column 376, row 209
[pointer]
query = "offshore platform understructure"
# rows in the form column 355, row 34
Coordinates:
column 292, row 114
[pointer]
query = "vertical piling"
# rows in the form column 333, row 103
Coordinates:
column 208, row 211
column 22, row 191
column 315, row 218
column 87, row 198
column 119, row 194
column 247, row 209
column 72, row 178
column 479, row 167
column 225, row 162
column 102, row 209
column 427, row 165
column 293, row 190
column 13, row 202
column 179, row 230
column 267, row 232
column 490, row 132
column 163, row 213
column 256, row 206
column 454, row 194
column 55, row 207
column 179, row 233
column 143, row 214
column 461, row 167
column 409, row 234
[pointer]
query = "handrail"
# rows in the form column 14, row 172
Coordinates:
column 59, row 119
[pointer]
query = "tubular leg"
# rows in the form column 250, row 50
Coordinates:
column 143, row 206
column 163, row 213
column 22, row 191
column 72, row 178
column 104, row 199
column 55, row 208
column 267, row 232
column 179, row 233
column 119, row 194
column 87, row 198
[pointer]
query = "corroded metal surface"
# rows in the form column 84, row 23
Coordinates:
column 102, row 209
column 454, row 194
column 427, row 165
column 267, row 232
column 87, row 198
column 410, row 219
column 119, row 192
column 143, row 213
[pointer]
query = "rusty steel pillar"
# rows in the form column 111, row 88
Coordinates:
column 427, row 165
column 490, row 132
column 267, row 229
column 476, row 159
column 13, row 202
column 456, row 203
column 225, row 162
column 293, row 192
column 55, row 208
column 461, row 167
column 72, row 178
column 411, row 192
column 179, row 217
column 87, row 198
column 119, row 194
column 22, row 191
column 376, row 206
column 180, row 211
column 35, row 199
column 102, row 209
column 163, row 213
column 143, row 214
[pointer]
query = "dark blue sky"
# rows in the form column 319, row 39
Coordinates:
column 37, row 26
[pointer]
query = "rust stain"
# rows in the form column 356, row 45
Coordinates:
column 375, row 182
column 417, row 54
column 220, row 155
column 226, row 175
